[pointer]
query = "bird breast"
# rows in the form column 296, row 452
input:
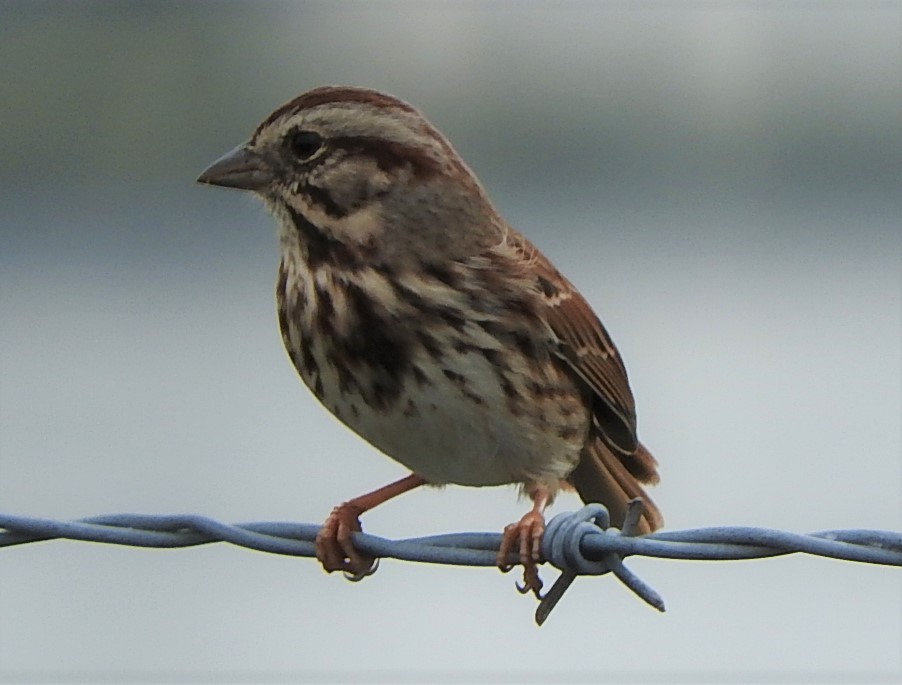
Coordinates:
column 430, row 379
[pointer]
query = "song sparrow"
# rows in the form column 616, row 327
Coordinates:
column 428, row 325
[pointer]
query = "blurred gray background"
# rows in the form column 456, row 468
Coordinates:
column 722, row 182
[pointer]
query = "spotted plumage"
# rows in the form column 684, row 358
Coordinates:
column 426, row 323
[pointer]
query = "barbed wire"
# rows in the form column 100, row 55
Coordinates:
column 577, row 543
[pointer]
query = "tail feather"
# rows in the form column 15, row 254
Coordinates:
column 642, row 465
column 602, row 477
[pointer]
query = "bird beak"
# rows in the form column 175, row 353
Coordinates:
column 241, row 168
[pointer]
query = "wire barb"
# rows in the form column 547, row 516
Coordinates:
column 578, row 543
column 562, row 547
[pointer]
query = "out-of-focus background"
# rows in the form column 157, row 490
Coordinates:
column 721, row 180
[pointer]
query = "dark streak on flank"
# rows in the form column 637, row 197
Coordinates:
column 281, row 285
column 302, row 359
column 524, row 343
column 454, row 376
column 442, row 273
column 281, row 306
column 495, row 358
column 308, row 362
column 346, row 380
column 463, row 347
column 514, row 399
column 539, row 390
column 325, row 311
column 521, row 306
column 430, row 344
column 463, row 386
column 429, row 308
column 569, row 432
column 375, row 343
column 368, row 253
column 567, row 409
column 295, row 359
column 420, row 377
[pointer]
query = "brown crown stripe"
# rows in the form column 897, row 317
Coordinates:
column 335, row 95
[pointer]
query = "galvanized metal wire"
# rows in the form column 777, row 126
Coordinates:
column 577, row 543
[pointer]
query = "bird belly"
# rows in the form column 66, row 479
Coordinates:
column 464, row 421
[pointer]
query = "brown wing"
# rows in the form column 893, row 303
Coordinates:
column 613, row 461
column 580, row 339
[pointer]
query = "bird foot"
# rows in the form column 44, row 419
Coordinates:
column 335, row 547
column 526, row 537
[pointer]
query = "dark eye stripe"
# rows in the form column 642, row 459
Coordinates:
column 389, row 155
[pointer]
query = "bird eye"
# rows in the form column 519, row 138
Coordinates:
column 304, row 144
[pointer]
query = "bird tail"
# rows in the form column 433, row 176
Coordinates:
column 602, row 476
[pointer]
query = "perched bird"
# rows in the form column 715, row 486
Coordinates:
column 431, row 327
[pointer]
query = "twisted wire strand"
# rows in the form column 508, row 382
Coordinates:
column 577, row 543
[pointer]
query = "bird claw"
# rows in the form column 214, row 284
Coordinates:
column 531, row 582
column 357, row 576
column 335, row 547
column 526, row 537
